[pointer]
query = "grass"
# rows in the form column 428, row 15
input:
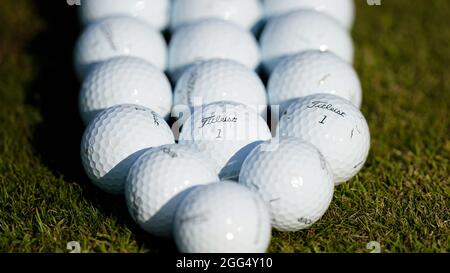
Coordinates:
column 401, row 199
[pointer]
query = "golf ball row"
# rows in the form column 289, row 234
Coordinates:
column 220, row 178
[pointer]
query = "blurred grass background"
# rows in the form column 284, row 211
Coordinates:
column 401, row 199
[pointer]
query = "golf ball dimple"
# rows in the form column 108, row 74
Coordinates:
column 222, row 217
column 300, row 31
column 312, row 72
column 342, row 10
column 124, row 80
column 220, row 80
column 335, row 126
column 211, row 39
column 115, row 139
column 155, row 13
column 118, row 37
column 246, row 13
column 159, row 180
column 292, row 177
column 225, row 132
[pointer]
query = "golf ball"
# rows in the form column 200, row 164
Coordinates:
column 153, row 12
column 220, row 80
column 115, row 139
column 124, row 80
column 292, row 177
column 342, row 10
column 300, row 31
column 222, row 217
column 159, row 180
column 211, row 39
column 115, row 37
column 335, row 126
column 225, row 132
column 312, row 72
column 246, row 13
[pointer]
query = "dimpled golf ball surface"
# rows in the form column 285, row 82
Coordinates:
column 222, row 217
column 341, row 10
column 158, row 181
column 115, row 139
column 225, row 132
column 300, row 31
column 211, row 39
column 124, row 80
column 153, row 12
column 335, row 126
column 312, row 72
column 245, row 13
column 115, row 37
column 293, row 178
column 220, row 80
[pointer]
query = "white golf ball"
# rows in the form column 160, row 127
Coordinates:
column 342, row 10
column 312, row 72
column 222, row 217
column 335, row 126
column 116, row 37
column 246, row 13
column 115, row 139
column 300, row 31
column 220, row 80
column 211, row 39
column 294, row 178
column 225, row 132
column 124, row 80
column 159, row 180
column 154, row 12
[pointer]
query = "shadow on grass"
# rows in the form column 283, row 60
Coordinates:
column 55, row 94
